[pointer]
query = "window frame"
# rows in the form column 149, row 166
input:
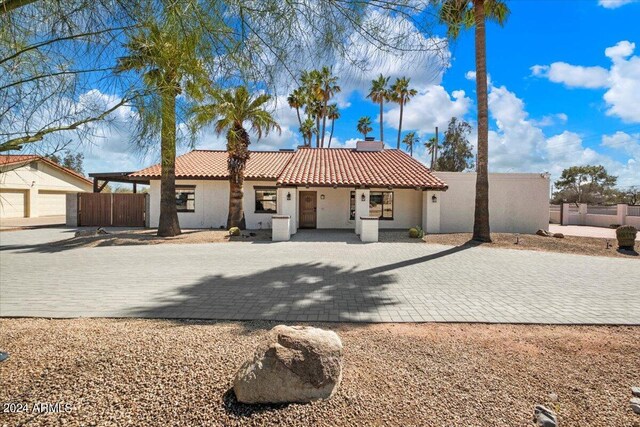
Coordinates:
column 255, row 200
column 187, row 187
column 352, row 196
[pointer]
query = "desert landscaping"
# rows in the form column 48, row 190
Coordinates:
column 115, row 372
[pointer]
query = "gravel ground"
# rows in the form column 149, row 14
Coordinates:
column 165, row 373
column 530, row 242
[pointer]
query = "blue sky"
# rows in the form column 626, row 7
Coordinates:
column 564, row 90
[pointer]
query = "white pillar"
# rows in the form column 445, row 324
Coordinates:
column 280, row 231
column 72, row 209
column 369, row 229
column 582, row 214
column 431, row 211
column 32, row 195
column 288, row 205
column 564, row 214
column 622, row 213
column 362, row 207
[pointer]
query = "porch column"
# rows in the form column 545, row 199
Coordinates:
column 288, row 205
column 564, row 214
column 32, row 194
column 431, row 211
column 362, row 207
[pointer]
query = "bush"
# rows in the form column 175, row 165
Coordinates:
column 626, row 236
column 416, row 232
column 234, row 231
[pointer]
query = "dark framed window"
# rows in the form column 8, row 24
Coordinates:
column 186, row 198
column 266, row 200
column 380, row 205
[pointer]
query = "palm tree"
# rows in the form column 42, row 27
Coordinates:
column 327, row 88
column 432, row 148
column 296, row 100
column 333, row 114
column 311, row 86
column 456, row 15
column 410, row 140
column 401, row 94
column 230, row 111
column 379, row 93
column 167, row 58
column 307, row 129
column 364, row 126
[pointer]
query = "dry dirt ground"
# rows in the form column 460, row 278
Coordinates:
column 165, row 373
column 531, row 242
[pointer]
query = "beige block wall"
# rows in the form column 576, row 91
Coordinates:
column 518, row 202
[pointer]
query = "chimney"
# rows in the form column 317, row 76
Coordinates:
column 369, row 144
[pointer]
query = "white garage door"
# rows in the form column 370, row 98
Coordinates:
column 12, row 204
column 51, row 203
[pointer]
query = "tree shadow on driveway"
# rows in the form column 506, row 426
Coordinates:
column 303, row 292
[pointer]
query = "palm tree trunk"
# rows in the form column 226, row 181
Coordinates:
column 333, row 123
column 411, row 149
column 400, row 126
column 304, row 138
column 481, row 230
column 324, row 122
column 381, row 122
column 168, row 225
column 236, row 209
column 317, row 131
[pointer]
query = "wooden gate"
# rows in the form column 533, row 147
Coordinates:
column 109, row 209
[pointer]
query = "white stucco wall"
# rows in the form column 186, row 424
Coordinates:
column 518, row 202
column 39, row 184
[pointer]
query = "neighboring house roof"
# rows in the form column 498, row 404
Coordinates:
column 349, row 167
column 213, row 164
column 19, row 159
column 344, row 167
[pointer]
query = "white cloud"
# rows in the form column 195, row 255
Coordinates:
column 624, row 142
column 431, row 107
column 614, row 4
column 573, row 75
column 519, row 144
column 551, row 120
column 622, row 80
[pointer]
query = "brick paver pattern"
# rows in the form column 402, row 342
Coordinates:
column 314, row 278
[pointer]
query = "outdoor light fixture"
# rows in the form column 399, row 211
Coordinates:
column 289, row 195
column 363, row 198
column 322, row 197
column 434, row 199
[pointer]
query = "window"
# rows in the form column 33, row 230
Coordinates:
column 266, row 200
column 186, row 198
column 380, row 204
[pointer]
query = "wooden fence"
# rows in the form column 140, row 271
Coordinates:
column 111, row 209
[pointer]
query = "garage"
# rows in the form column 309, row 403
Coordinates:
column 13, row 204
column 51, row 203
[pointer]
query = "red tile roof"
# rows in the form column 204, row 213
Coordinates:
column 213, row 164
column 348, row 167
column 311, row 166
column 14, row 159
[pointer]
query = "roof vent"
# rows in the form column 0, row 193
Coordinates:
column 288, row 149
column 369, row 145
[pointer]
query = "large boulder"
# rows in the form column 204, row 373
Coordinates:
column 293, row 364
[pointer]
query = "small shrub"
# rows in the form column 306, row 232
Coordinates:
column 234, row 231
column 626, row 236
column 416, row 232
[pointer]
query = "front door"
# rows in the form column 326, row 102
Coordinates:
column 307, row 209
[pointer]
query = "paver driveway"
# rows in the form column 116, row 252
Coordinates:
column 314, row 279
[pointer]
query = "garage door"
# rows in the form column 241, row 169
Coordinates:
column 12, row 204
column 51, row 203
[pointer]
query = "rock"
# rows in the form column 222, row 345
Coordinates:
column 635, row 391
column 553, row 397
column 544, row 233
column 92, row 232
column 293, row 364
column 635, row 404
column 558, row 235
column 544, row 417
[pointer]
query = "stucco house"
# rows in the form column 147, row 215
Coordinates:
column 333, row 188
column 34, row 186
